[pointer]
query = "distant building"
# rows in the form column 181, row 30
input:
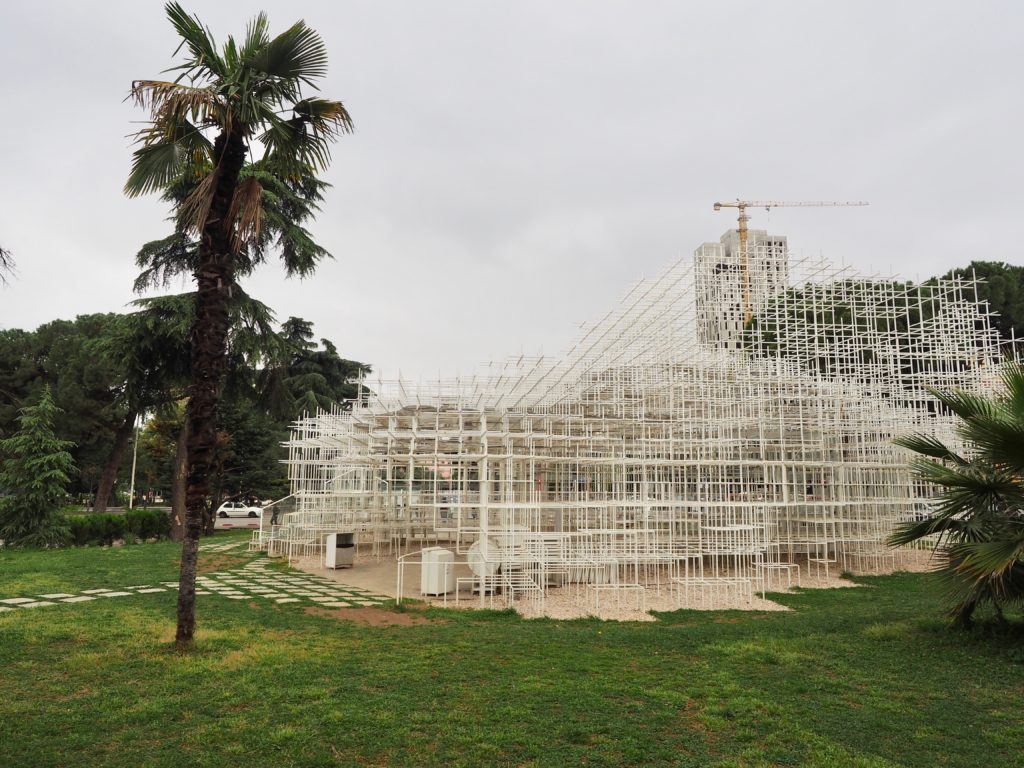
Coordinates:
column 722, row 282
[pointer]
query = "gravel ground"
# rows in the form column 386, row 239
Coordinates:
column 578, row 601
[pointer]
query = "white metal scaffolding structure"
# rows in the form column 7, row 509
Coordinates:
column 676, row 446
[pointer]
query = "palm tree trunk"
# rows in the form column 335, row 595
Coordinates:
column 178, row 484
column 109, row 476
column 210, row 521
column 214, row 280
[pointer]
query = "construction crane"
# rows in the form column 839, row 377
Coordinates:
column 742, row 206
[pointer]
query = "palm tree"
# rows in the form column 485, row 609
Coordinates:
column 248, row 96
column 978, row 518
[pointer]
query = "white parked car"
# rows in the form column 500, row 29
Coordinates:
column 238, row 509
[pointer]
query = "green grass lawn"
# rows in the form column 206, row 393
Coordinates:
column 852, row 677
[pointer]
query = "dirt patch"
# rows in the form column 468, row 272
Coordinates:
column 371, row 617
column 218, row 562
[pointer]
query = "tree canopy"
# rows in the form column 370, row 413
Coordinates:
column 85, row 385
column 100, row 368
column 1002, row 287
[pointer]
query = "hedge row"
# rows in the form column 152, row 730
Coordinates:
column 105, row 529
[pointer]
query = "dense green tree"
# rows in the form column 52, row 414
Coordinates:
column 35, row 469
column 1002, row 287
column 86, row 387
column 307, row 377
column 248, row 456
column 158, row 441
column 812, row 308
column 245, row 91
column 799, row 322
column 152, row 350
column 106, row 367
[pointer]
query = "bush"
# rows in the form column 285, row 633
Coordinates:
column 147, row 523
column 107, row 528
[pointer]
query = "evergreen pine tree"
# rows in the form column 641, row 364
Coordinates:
column 35, row 469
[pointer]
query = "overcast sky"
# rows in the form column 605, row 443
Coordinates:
column 517, row 165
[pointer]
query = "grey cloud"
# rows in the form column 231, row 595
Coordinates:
column 517, row 165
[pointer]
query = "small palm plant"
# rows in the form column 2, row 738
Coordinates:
column 978, row 519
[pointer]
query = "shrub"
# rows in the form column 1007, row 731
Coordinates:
column 147, row 523
column 107, row 528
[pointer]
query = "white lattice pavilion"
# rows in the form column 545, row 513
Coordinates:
column 726, row 426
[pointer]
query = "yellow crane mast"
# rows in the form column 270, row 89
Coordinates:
column 742, row 206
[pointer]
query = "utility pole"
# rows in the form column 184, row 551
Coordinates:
column 135, row 460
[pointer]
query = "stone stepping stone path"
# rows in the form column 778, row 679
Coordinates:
column 253, row 581
column 257, row 580
column 224, row 546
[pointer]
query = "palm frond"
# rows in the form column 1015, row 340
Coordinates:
column 940, row 526
column 174, row 101
column 243, row 91
column 974, row 477
column 298, row 53
column 256, row 37
column 291, row 146
column 999, row 436
column 980, row 560
column 966, row 405
column 928, row 445
column 1012, row 376
column 199, row 41
column 326, row 116
column 165, row 154
column 246, row 212
column 194, row 209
